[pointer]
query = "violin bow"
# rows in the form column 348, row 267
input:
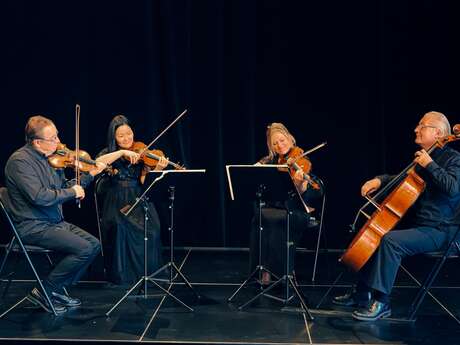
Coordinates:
column 77, row 148
column 164, row 131
column 312, row 150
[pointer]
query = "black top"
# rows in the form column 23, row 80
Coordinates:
column 438, row 204
column 308, row 196
column 37, row 190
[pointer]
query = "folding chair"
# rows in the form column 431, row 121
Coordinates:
column 451, row 251
column 14, row 247
column 4, row 202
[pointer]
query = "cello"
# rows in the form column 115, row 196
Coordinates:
column 390, row 211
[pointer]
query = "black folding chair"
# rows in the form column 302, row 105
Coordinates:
column 14, row 248
column 451, row 251
column 17, row 243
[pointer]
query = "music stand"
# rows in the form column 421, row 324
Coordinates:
column 154, row 177
column 265, row 183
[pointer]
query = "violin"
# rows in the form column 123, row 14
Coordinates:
column 63, row 157
column 151, row 157
column 298, row 161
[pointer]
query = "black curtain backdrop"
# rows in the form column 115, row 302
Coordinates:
column 357, row 74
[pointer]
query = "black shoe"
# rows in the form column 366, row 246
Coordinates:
column 66, row 300
column 353, row 299
column 312, row 222
column 36, row 297
column 377, row 310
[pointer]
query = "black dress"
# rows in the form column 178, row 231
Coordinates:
column 123, row 237
column 274, row 252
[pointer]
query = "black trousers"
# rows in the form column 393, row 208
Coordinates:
column 379, row 273
column 80, row 249
column 274, row 249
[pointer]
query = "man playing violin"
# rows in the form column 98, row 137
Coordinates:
column 36, row 193
column 432, row 217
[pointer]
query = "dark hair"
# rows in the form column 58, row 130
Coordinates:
column 117, row 121
column 35, row 126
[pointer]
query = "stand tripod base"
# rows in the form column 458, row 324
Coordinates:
column 290, row 282
column 151, row 279
column 258, row 271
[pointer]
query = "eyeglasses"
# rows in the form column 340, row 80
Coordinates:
column 424, row 126
column 53, row 139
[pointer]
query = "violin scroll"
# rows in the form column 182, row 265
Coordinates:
column 63, row 157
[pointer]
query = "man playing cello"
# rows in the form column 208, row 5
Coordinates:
column 433, row 216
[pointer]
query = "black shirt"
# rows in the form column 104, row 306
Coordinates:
column 37, row 190
column 439, row 202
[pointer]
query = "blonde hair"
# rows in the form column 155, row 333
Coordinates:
column 442, row 119
column 274, row 128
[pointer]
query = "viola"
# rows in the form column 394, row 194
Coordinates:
column 63, row 157
column 389, row 212
column 151, row 157
column 296, row 160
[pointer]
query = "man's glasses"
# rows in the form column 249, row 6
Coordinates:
column 425, row 126
column 53, row 139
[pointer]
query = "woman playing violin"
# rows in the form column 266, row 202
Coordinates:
column 123, row 237
column 431, row 219
column 280, row 144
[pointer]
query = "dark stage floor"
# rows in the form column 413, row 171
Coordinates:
column 215, row 275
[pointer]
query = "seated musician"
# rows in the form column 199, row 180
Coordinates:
column 36, row 193
column 432, row 218
column 123, row 237
column 279, row 143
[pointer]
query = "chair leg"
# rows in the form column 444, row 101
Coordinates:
column 7, row 254
column 51, row 263
column 10, row 278
column 318, row 241
column 424, row 288
column 330, row 289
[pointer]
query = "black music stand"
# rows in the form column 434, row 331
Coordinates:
column 151, row 179
column 265, row 183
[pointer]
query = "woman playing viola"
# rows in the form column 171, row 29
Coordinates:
column 123, row 237
column 280, row 143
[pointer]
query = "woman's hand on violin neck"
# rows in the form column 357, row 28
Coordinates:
column 162, row 163
column 79, row 191
column 300, row 181
column 370, row 186
column 131, row 156
column 422, row 158
column 299, row 177
column 291, row 160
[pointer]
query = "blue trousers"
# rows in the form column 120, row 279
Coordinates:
column 379, row 273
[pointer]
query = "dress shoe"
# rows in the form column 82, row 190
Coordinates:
column 353, row 299
column 36, row 297
column 312, row 222
column 377, row 310
column 66, row 300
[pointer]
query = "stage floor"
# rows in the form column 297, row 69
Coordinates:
column 215, row 276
